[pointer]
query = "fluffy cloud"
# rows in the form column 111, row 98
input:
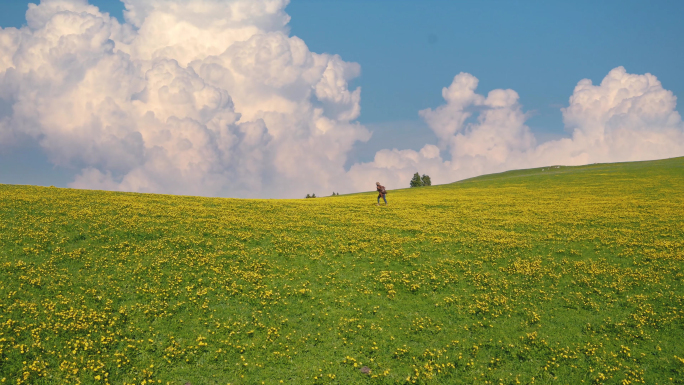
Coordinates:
column 204, row 97
column 214, row 97
column 626, row 118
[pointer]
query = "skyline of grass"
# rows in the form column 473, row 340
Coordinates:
column 567, row 275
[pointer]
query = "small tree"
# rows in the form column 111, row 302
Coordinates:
column 313, row 195
column 426, row 180
column 416, row 181
column 308, row 196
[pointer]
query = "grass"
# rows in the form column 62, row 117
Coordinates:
column 563, row 275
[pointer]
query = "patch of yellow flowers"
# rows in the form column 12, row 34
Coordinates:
column 562, row 275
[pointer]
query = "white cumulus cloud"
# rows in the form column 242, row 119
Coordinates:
column 627, row 117
column 204, row 97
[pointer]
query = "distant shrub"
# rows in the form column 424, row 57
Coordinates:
column 416, row 181
column 419, row 181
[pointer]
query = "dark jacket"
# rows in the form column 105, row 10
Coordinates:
column 381, row 191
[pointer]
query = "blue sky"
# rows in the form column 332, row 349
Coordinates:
column 409, row 50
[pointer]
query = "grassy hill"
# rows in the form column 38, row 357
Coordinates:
column 562, row 275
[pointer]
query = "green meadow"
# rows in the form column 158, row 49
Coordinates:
column 555, row 275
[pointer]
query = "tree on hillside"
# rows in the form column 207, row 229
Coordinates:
column 308, row 196
column 419, row 181
column 416, row 181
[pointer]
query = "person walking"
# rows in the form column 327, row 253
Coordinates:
column 381, row 193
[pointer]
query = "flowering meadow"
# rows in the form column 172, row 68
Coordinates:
column 558, row 275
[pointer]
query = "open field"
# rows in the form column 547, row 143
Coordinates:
column 568, row 275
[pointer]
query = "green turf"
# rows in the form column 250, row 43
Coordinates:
column 564, row 275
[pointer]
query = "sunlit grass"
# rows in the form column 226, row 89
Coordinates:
column 555, row 275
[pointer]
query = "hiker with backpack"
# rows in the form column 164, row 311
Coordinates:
column 381, row 193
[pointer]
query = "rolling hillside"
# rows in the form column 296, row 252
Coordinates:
column 562, row 275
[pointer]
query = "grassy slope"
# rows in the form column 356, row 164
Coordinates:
column 566, row 275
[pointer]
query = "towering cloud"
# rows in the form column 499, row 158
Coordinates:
column 214, row 97
column 206, row 97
